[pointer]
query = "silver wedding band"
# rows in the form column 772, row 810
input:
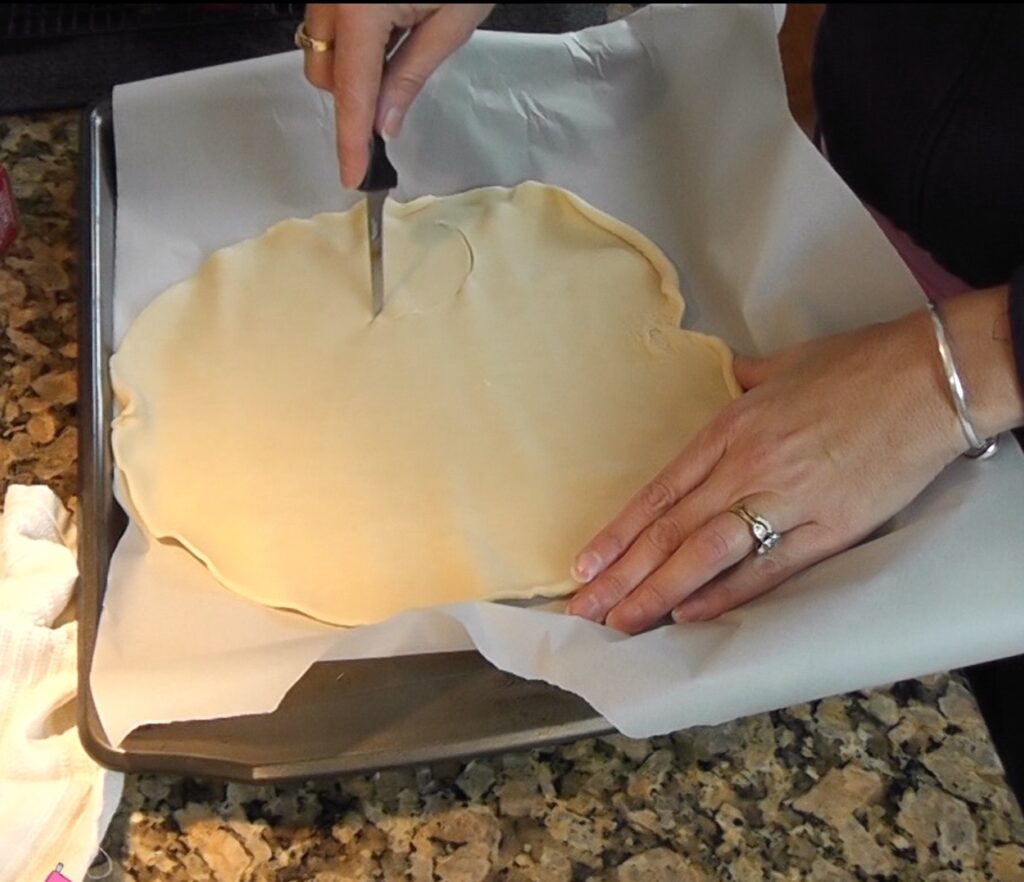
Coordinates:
column 760, row 528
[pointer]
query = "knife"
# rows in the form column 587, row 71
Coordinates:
column 380, row 178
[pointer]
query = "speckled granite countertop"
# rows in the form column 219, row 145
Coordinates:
column 898, row 783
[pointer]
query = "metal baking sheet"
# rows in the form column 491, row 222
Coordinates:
column 341, row 717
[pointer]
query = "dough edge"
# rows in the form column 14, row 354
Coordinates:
column 671, row 319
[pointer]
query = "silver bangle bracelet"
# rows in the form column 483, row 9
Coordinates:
column 978, row 449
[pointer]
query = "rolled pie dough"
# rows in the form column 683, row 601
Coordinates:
column 526, row 377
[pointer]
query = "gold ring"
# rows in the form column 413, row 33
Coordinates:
column 304, row 41
column 764, row 536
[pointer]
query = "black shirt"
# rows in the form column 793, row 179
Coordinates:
column 922, row 110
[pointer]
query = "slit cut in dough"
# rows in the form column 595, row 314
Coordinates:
column 526, row 377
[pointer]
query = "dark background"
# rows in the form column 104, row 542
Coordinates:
column 61, row 55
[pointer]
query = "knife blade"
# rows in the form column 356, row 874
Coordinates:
column 380, row 178
column 374, row 232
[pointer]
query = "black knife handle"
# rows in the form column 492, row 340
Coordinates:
column 380, row 174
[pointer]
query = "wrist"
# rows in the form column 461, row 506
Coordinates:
column 935, row 413
column 978, row 330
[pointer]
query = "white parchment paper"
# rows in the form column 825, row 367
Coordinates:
column 674, row 120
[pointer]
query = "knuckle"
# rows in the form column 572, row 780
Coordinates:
column 656, row 598
column 408, row 14
column 611, row 545
column 664, row 535
column 342, row 90
column 406, row 84
column 712, row 546
column 656, row 497
column 707, row 442
column 351, row 138
column 768, row 567
column 612, row 587
column 805, row 477
column 723, row 598
column 761, row 451
column 729, row 420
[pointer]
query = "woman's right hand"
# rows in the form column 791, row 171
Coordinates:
column 367, row 97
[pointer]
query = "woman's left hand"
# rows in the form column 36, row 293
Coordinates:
column 831, row 439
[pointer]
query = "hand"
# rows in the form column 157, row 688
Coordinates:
column 832, row 439
column 367, row 98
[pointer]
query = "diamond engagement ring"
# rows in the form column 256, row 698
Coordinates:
column 765, row 537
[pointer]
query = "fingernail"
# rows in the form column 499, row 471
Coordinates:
column 391, row 125
column 348, row 180
column 587, row 566
column 689, row 611
column 585, row 608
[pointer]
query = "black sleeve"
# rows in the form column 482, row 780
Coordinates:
column 921, row 106
column 1017, row 320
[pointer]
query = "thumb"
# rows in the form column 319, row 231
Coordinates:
column 751, row 372
column 428, row 44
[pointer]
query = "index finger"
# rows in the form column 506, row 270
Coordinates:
column 361, row 39
column 649, row 504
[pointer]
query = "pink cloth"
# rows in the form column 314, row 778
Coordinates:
column 936, row 282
